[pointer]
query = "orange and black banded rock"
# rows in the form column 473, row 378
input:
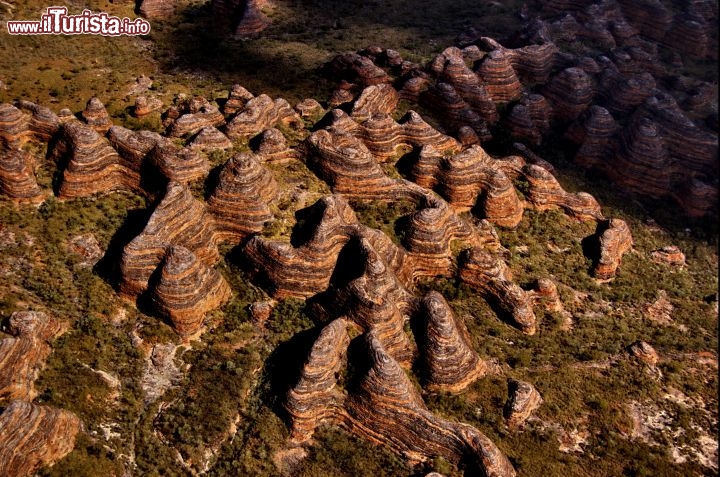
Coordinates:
column 377, row 301
column 261, row 113
column 642, row 162
column 599, row 131
column 627, row 93
column 461, row 178
column 499, row 76
column 310, row 108
column 492, row 278
column 273, row 147
column 191, row 123
column 456, row 73
column 651, row 17
column 34, row 436
column 540, row 111
column 144, row 106
column 210, row 139
column 449, row 360
column 17, row 176
column 532, row 63
column 570, row 93
column 133, row 146
column 545, row 192
column 240, row 201
column 453, row 109
column 238, row 97
column 179, row 219
column 355, row 68
column 44, row 124
column 24, row 353
column 315, row 400
column 96, row 116
column 93, row 166
column 386, row 408
column 253, row 20
column 430, row 233
column 186, row 290
column 346, row 164
column 305, row 270
column 615, row 240
column 413, row 88
column 14, row 126
column 240, row 18
column 156, row 8
column 523, row 400
column 179, row 164
column 375, row 99
column 688, row 35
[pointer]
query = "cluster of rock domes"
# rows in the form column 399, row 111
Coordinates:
column 354, row 276
column 630, row 117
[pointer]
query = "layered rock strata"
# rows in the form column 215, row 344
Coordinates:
column 17, row 177
column 615, row 240
column 34, row 436
column 24, row 353
column 449, row 360
column 186, row 290
column 96, row 116
column 261, row 113
column 523, row 400
column 492, row 278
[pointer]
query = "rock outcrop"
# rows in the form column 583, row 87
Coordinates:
column 240, row 201
column 24, row 353
column 448, row 358
column 17, row 177
column 492, row 278
column 186, row 290
column 34, row 436
column 179, row 219
column 614, row 240
column 96, row 116
column 261, row 113
column 156, row 8
column 523, row 400
column 544, row 192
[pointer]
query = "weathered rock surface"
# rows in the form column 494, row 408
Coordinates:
column 186, row 290
column 670, row 255
column 156, row 8
column 92, row 165
column 144, row 106
column 523, row 400
column 34, row 436
column 17, row 177
column 492, row 278
column 644, row 352
column 96, row 116
column 179, row 219
column 261, row 113
column 315, row 399
column 23, row 354
column 210, row 139
column 449, row 360
column 544, row 192
column 615, row 240
column 240, row 201
column 179, row 164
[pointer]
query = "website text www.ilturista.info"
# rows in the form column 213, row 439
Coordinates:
column 56, row 21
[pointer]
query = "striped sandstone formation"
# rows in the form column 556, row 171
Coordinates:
column 144, row 106
column 17, row 177
column 273, row 148
column 210, row 139
column 207, row 115
column 444, row 99
column 43, row 124
column 523, row 400
column 240, row 202
column 315, row 399
column 261, row 113
column 240, row 18
column 24, row 353
column 386, row 408
column 614, row 241
column 92, row 166
column 448, row 358
column 499, row 76
column 178, row 164
column 375, row 99
column 472, row 177
column 545, row 192
column 96, row 116
column 492, row 278
column 186, row 290
column 304, row 270
column 598, row 141
column 133, row 146
column 238, row 97
column 569, row 92
column 14, row 126
column 179, row 219
column 34, row 436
